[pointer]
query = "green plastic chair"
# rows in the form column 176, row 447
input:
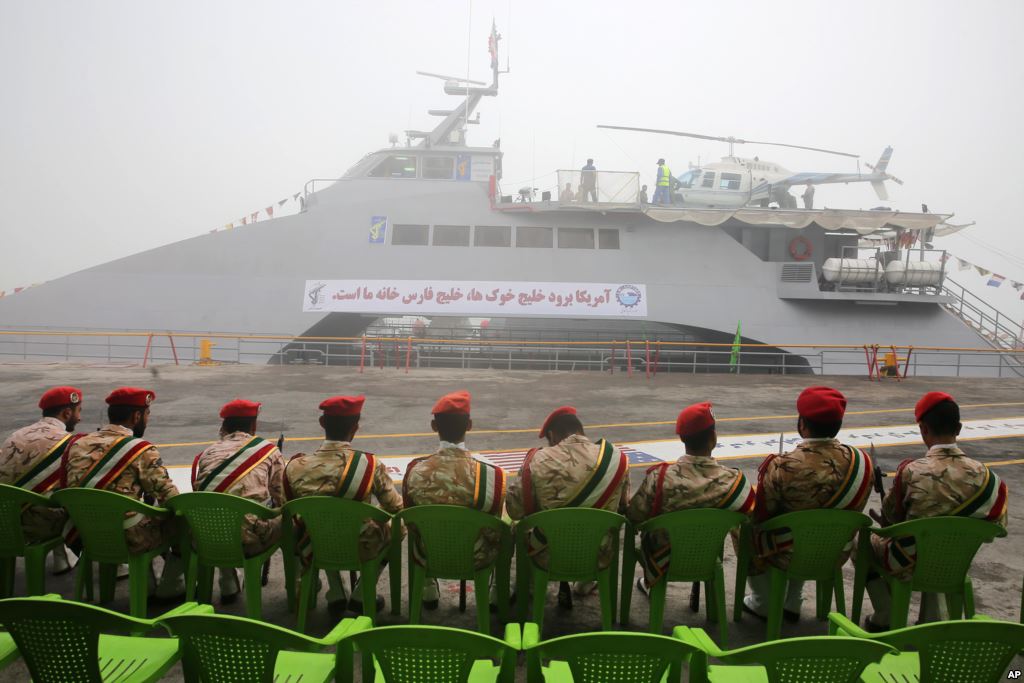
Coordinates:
column 430, row 654
column 604, row 657
column 699, row 535
column 215, row 521
column 448, row 534
column 975, row 651
column 574, row 537
column 816, row 659
column 13, row 544
column 64, row 641
column 333, row 525
column 946, row 547
column 8, row 650
column 819, row 539
column 218, row 648
column 99, row 517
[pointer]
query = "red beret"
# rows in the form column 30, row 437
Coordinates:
column 564, row 410
column 456, row 403
column 131, row 396
column 240, row 408
column 929, row 401
column 60, row 396
column 821, row 404
column 342, row 406
column 694, row 419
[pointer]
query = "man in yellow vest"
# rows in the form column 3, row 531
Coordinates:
column 664, row 180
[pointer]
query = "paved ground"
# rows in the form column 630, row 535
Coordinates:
column 508, row 408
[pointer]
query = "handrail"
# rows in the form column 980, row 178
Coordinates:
column 991, row 327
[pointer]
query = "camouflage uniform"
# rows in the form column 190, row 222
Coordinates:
column 319, row 474
column 448, row 477
column 146, row 475
column 557, row 474
column 692, row 481
column 262, row 484
column 932, row 486
column 22, row 451
column 806, row 478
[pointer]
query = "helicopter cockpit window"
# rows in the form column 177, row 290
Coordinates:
column 439, row 168
column 730, row 181
column 395, row 167
column 709, row 179
column 687, row 179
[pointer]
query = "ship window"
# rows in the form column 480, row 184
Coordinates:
column 410, row 235
column 539, row 238
column 492, row 236
column 730, row 181
column 439, row 168
column 709, row 179
column 395, row 167
column 451, row 235
column 607, row 238
column 575, row 238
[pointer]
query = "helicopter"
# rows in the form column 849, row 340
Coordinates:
column 735, row 181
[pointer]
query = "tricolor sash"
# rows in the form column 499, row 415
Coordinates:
column 233, row 469
column 988, row 503
column 851, row 494
column 119, row 456
column 45, row 476
column 656, row 557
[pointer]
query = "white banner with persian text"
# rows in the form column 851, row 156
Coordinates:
column 458, row 297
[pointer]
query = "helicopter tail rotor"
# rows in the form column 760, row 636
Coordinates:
column 881, row 169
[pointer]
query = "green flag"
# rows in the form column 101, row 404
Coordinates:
column 734, row 357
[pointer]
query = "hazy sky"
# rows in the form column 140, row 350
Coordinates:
column 127, row 125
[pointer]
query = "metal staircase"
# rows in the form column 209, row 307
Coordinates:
column 997, row 329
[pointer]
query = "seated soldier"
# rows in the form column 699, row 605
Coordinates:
column 572, row 471
column 452, row 476
column 243, row 464
column 115, row 458
column 944, row 482
column 820, row 473
column 323, row 473
column 695, row 480
column 30, row 459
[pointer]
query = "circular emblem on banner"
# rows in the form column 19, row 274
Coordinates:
column 628, row 295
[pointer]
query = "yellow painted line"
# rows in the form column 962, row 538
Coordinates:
column 610, row 425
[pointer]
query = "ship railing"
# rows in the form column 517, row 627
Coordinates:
column 989, row 322
column 647, row 358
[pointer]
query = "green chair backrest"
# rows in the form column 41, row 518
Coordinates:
column 609, row 657
column 573, row 537
column 59, row 640
column 699, row 534
column 427, row 654
column 819, row 538
column 216, row 521
column 448, row 533
column 333, row 525
column 99, row 517
column 12, row 501
column 816, row 659
column 946, row 547
column 976, row 650
column 218, row 648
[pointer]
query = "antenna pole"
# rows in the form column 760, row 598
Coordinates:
column 469, row 55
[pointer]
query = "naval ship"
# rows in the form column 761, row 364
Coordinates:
column 425, row 228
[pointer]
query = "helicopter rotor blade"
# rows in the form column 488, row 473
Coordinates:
column 731, row 140
column 888, row 176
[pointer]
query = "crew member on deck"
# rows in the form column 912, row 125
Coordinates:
column 819, row 473
column 30, row 459
column 808, row 196
column 695, row 480
column 117, row 459
column 323, row 473
column 451, row 476
column 243, row 464
column 944, row 482
column 572, row 471
column 663, row 184
column 588, row 182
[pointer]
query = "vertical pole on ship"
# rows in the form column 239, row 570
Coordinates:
column 362, row 356
column 145, row 356
column 408, row 353
column 657, row 357
column 629, row 358
column 170, row 338
column 611, row 367
column 647, row 359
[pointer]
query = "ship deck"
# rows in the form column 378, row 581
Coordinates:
column 508, row 407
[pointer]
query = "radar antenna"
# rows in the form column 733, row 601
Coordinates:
column 730, row 140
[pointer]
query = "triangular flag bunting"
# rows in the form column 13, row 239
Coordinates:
column 996, row 280
column 962, row 265
column 228, row 226
column 270, row 211
column 281, row 203
column 242, row 220
column 295, row 196
column 255, row 215
column 1017, row 285
column 982, row 271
